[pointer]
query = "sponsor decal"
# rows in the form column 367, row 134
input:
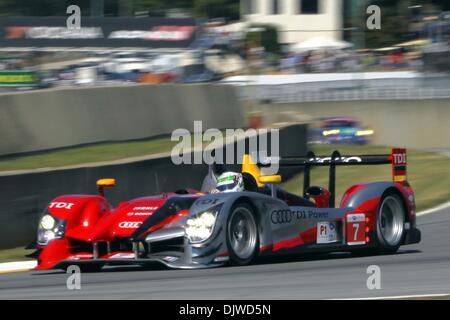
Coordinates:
column 326, row 232
column 77, row 31
column 45, row 32
column 281, row 216
column 170, row 259
column 310, row 214
column 399, row 158
column 166, row 33
column 18, row 78
column 286, row 216
column 145, row 208
column 130, row 224
column 357, row 217
column 146, row 211
column 339, row 159
column 61, row 205
column 131, row 213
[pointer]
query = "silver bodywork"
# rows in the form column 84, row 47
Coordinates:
column 272, row 229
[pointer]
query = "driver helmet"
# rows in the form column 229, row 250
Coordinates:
column 230, row 182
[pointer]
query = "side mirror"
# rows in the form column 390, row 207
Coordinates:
column 314, row 191
column 105, row 183
column 320, row 195
column 271, row 181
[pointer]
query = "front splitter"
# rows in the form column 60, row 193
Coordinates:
column 174, row 264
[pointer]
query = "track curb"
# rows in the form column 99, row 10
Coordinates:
column 17, row 266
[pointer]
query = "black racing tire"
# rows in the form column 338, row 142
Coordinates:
column 390, row 231
column 242, row 236
column 391, row 217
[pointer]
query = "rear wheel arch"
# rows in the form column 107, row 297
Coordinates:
column 360, row 193
column 394, row 190
column 381, row 245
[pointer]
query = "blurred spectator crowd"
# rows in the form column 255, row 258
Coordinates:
column 351, row 61
column 218, row 53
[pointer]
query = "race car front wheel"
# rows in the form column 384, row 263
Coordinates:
column 242, row 234
column 390, row 223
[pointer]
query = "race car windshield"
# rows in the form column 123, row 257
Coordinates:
column 339, row 124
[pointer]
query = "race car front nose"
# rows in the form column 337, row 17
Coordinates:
column 175, row 244
column 165, row 235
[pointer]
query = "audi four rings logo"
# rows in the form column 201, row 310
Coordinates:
column 281, row 216
column 129, row 225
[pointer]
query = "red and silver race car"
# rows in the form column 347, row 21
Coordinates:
column 195, row 229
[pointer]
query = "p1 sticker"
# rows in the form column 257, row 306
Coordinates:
column 326, row 232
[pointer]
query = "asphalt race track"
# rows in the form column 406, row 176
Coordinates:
column 416, row 270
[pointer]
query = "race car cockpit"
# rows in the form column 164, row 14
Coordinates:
column 251, row 175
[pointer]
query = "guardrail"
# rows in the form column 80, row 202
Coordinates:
column 358, row 86
column 58, row 118
column 282, row 94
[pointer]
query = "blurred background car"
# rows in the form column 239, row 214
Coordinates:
column 340, row 130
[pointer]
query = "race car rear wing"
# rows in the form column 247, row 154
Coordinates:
column 397, row 159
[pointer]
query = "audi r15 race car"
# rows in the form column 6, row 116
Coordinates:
column 196, row 229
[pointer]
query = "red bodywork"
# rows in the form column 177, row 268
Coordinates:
column 91, row 219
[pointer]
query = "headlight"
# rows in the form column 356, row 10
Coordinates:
column 47, row 222
column 200, row 227
column 331, row 132
column 50, row 228
column 48, row 235
column 364, row 133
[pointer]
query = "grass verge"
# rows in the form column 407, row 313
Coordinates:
column 89, row 154
column 15, row 254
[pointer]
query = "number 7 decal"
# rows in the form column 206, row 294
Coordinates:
column 355, row 226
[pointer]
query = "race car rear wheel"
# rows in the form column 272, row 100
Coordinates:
column 242, row 234
column 390, row 223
